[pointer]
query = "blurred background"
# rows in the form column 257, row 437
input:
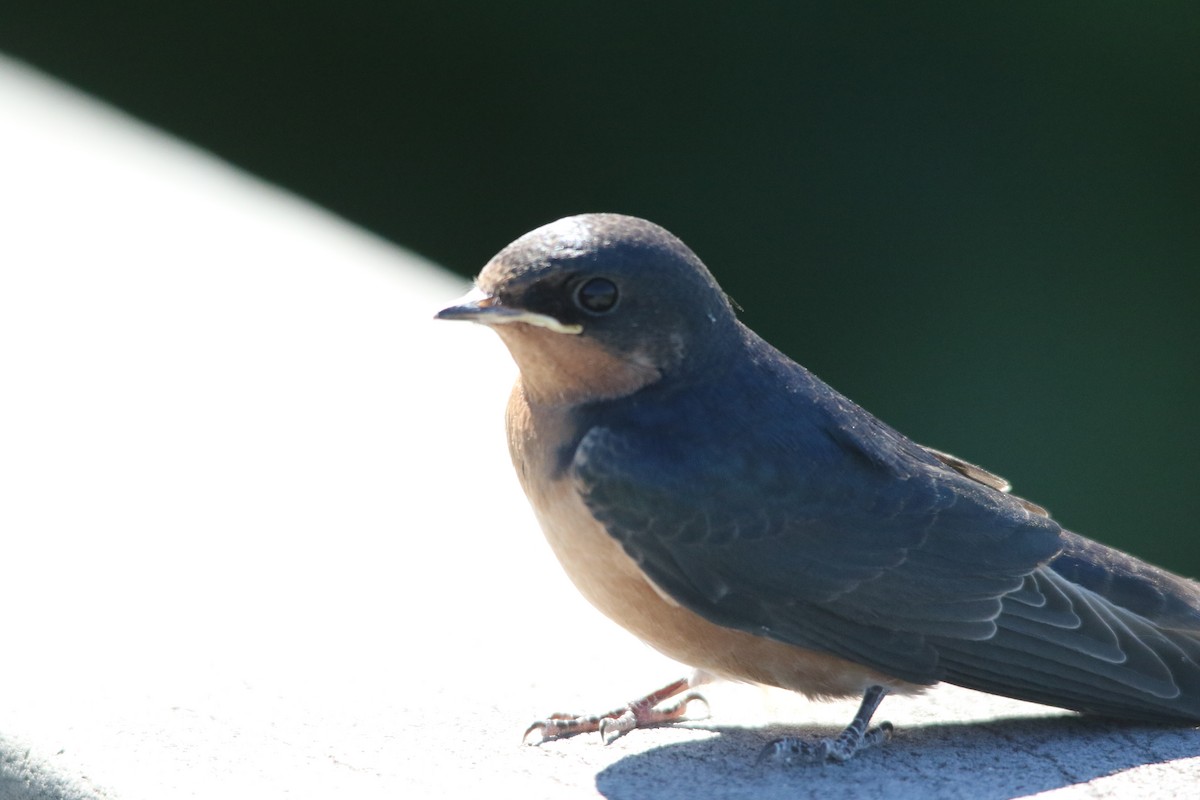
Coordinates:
column 981, row 222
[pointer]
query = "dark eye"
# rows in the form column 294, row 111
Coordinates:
column 599, row 296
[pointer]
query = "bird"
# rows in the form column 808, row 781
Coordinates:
column 736, row 513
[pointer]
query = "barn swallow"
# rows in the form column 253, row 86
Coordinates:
column 736, row 513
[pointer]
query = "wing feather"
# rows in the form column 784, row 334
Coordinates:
column 841, row 535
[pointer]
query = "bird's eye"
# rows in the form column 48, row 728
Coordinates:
column 598, row 296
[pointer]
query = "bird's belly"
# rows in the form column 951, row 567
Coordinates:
column 614, row 584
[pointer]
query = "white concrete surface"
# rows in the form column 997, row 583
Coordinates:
column 261, row 539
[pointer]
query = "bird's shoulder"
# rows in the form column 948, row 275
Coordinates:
column 763, row 431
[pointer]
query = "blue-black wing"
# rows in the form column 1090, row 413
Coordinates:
column 831, row 531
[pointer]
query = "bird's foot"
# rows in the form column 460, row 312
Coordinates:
column 792, row 750
column 642, row 713
column 857, row 736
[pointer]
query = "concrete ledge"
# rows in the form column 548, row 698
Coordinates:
column 262, row 539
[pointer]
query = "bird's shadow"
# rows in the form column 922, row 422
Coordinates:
column 991, row 760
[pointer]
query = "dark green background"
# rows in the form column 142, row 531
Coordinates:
column 981, row 221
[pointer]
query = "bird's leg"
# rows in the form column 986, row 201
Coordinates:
column 857, row 736
column 641, row 713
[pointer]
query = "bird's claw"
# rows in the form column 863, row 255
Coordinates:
column 560, row 726
column 616, row 723
column 792, row 750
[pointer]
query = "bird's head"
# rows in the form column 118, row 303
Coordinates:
column 599, row 305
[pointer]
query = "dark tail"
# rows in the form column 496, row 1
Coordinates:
column 1095, row 631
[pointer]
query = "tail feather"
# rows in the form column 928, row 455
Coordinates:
column 1094, row 656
